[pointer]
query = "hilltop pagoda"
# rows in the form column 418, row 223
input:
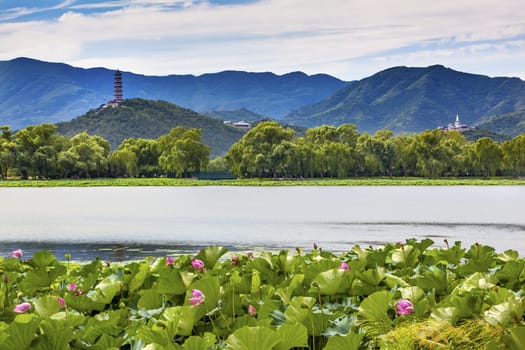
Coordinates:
column 118, row 96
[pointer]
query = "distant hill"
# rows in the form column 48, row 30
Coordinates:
column 150, row 119
column 33, row 92
column 414, row 99
column 236, row 115
column 510, row 124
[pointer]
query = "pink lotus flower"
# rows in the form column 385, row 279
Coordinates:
column 344, row 266
column 17, row 253
column 252, row 311
column 198, row 297
column 315, row 246
column 21, row 308
column 61, row 302
column 250, row 254
column 235, row 260
column 169, row 261
column 74, row 288
column 404, row 307
column 197, row 264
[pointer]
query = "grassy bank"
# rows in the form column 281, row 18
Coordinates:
column 267, row 182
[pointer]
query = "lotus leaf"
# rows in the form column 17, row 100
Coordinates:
column 253, row 338
column 506, row 313
column 350, row 341
column 210, row 255
column 516, row 338
column 200, row 343
column 291, row 336
column 374, row 307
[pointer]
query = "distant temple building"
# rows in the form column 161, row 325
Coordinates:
column 242, row 125
column 457, row 126
column 117, row 90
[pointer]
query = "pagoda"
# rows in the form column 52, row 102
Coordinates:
column 118, row 87
column 117, row 90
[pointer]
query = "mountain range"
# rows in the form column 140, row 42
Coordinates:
column 402, row 99
column 33, row 92
column 406, row 99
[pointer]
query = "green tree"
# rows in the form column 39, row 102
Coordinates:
column 335, row 159
column 255, row 153
column 37, row 150
column 218, row 164
column 123, row 163
column 182, row 152
column 7, row 151
column 514, row 155
column 404, row 162
column 376, row 153
column 433, row 160
column 333, row 149
column 87, row 156
column 147, row 153
column 453, row 144
column 489, row 156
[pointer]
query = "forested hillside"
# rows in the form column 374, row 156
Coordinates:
column 414, row 99
column 150, row 119
column 236, row 115
column 511, row 124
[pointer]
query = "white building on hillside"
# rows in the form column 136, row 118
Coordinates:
column 457, row 126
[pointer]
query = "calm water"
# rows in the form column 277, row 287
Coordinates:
column 118, row 223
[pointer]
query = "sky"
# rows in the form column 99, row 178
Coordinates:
column 349, row 39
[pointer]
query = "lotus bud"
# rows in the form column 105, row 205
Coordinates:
column 197, row 297
column 404, row 307
column 21, row 308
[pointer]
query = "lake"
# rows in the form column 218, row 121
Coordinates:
column 121, row 223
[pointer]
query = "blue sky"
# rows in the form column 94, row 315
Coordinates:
column 350, row 39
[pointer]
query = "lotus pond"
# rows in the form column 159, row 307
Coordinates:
column 398, row 296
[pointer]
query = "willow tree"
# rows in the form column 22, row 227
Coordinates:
column 256, row 153
column 182, row 153
column 37, row 149
column 7, row 151
column 87, row 156
column 514, row 155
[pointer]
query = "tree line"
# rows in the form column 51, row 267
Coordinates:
column 271, row 150
column 267, row 150
column 40, row 152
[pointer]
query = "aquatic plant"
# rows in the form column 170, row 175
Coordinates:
column 399, row 296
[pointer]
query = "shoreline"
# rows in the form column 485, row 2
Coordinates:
column 145, row 182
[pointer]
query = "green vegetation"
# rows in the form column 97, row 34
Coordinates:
column 396, row 297
column 268, row 150
column 39, row 152
column 512, row 124
column 237, row 115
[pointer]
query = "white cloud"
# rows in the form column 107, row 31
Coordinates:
column 339, row 37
